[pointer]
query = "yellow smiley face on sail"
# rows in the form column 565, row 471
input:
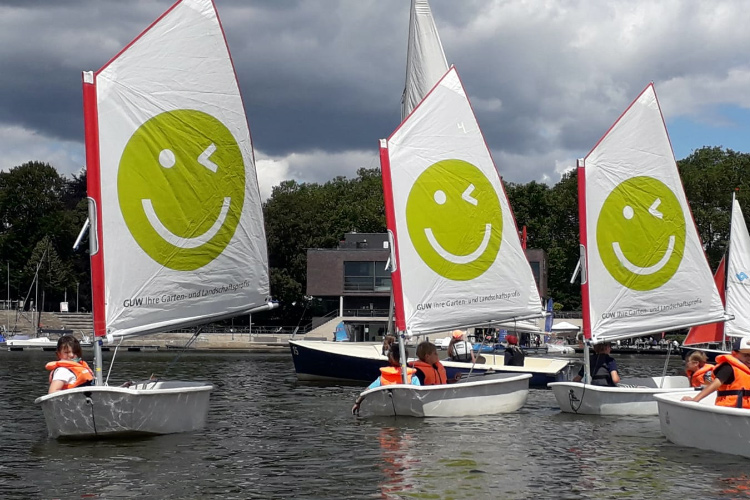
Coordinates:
column 181, row 188
column 454, row 220
column 641, row 233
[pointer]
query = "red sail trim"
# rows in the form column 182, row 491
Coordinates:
column 585, row 305
column 94, row 191
column 390, row 220
column 712, row 332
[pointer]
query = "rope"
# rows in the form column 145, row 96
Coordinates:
column 666, row 363
column 112, row 361
column 182, row 351
column 93, row 415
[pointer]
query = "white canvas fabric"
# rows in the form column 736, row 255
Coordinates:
column 458, row 254
column 425, row 59
column 646, row 268
column 182, row 226
column 738, row 276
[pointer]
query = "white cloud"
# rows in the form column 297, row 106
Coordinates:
column 20, row 145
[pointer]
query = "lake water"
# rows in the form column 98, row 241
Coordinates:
column 269, row 436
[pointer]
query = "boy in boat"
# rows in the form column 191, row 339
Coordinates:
column 69, row 370
column 430, row 371
column 390, row 374
column 460, row 349
column 731, row 378
column 603, row 367
column 698, row 371
column 514, row 355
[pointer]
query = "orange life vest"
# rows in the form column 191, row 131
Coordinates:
column 736, row 394
column 392, row 375
column 80, row 369
column 702, row 376
column 433, row 374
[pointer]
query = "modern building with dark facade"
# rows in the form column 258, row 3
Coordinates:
column 355, row 276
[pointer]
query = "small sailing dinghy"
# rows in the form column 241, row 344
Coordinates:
column 643, row 266
column 703, row 424
column 177, row 229
column 457, row 255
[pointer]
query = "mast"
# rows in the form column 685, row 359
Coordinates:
column 581, row 173
column 726, row 281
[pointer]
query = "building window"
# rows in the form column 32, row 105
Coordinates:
column 366, row 277
column 536, row 271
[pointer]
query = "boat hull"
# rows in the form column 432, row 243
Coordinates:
column 704, row 425
column 587, row 399
column 488, row 395
column 147, row 408
column 360, row 362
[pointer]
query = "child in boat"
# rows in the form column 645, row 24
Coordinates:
column 388, row 341
column 69, row 370
column 430, row 371
column 731, row 378
column 390, row 374
column 514, row 355
column 603, row 367
column 460, row 349
column 698, row 371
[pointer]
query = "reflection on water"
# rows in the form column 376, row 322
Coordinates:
column 271, row 437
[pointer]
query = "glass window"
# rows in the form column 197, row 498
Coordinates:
column 362, row 276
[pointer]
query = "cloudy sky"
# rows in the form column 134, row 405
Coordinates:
column 322, row 79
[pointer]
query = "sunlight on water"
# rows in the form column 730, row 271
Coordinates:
column 271, row 437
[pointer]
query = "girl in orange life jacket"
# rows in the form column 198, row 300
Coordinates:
column 731, row 378
column 69, row 370
column 390, row 374
column 697, row 370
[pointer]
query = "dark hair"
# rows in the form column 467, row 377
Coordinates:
column 71, row 341
column 394, row 353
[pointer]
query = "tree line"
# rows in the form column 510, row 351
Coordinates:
column 41, row 213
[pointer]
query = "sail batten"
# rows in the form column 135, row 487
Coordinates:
column 181, row 228
column 646, row 269
column 457, row 250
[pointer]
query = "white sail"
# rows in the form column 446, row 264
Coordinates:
column 458, row 255
column 646, row 268
column 181, row 227
column 425, row 59
column 738, row 276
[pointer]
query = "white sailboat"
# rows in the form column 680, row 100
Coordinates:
column 177, row 230
column 704, row 425
column 644, row 270
column 458, row 259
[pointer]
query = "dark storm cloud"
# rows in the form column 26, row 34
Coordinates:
column 324, row 77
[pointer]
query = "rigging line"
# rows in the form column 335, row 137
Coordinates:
column 112, row 361
column 393, row 405
column 90, row 402
column 182, row 351
column 571, row 395
column 666, row 362
column 479, row 352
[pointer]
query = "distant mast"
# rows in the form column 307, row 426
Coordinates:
column 425, row 59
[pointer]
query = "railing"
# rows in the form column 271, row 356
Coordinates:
column 568, row 314
column 366, row 287
column 366, row 313
column 321, row 320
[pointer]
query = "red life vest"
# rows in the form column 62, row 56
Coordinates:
column 702, row 376
column 392, row 375
column 433, row 374
column 736, row 394
column 80, row 369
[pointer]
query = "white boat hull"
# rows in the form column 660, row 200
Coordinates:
column 704, row 425
column 146, row 408
column 485, row 395
column 587, row 399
